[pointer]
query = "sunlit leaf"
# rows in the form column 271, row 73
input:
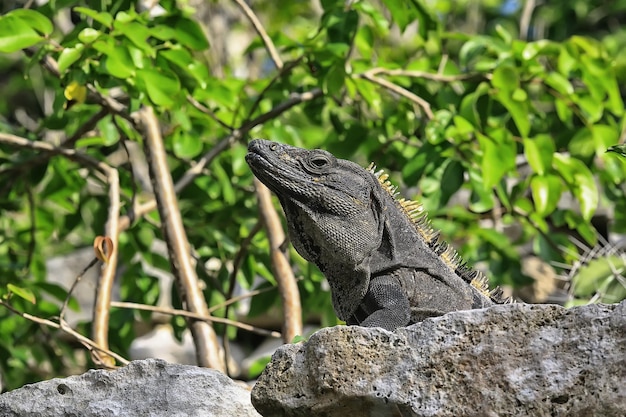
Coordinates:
column 69, row 56
column 21, row 292
column 16, row 34
column 580, row 181
column 498, row 156
column 538, row 151
column 162, row 87
column 88, row 35
column 102, row 17
column 546, row 191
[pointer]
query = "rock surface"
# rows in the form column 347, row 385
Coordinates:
column 149, row 387
column 511, row 360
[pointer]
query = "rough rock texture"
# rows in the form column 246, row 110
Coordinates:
column 149, row 387
column 510, row 360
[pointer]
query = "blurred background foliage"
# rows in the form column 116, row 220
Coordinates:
column 496, row 115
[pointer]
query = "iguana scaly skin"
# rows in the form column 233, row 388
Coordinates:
column 382, row 259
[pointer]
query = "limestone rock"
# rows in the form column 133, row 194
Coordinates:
column 149, row 387
column 510, row 360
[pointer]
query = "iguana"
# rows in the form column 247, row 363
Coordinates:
column 383, row 261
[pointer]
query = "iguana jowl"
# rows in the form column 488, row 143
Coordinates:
column 382, row 259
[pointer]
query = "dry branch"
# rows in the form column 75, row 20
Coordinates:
column 287, row 286
column 207, row 350
column 423, row 104
column 269, row 45
column 90, row 344
column 185, row 313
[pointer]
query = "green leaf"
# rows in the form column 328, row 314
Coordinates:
column 258, row 366
column 482, row 199
column 499, row 152
column 16, row 33
column 464, row 127
column 189, row 33
column 533, row 49
column 24, row 293
column 603, row 137
column 505, row 78
column 118, row 61
column 560, row 83
column 40, row 23
column 404, row 12
column 538, row 152
column 414, row 169
column 597, row 276
column 546, row 191
column 161, row 86
column 451, row 181
column 88, row 35
column 186, row 146
column 591, row 47
column 69, row 56
column 101, row 17
column 125, row 17
column 591, row 108
column 582, row 145
column 580, row 181
column 334, row 80
column 138, row 34
column 563, row 111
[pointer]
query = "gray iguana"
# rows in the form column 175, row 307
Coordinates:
column 383, row 261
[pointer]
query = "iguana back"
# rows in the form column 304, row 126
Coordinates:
column 382, row 259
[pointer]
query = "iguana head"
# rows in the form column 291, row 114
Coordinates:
column 315, row 178
column 332, row 208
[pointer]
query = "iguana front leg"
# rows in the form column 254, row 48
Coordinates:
column 385, row 305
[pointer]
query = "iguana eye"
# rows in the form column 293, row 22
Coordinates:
column 318, row 162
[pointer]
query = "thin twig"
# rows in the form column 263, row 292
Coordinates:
column 88, row 126
column 239, row 298
column 84, row 340
column 293, row 100
column 423, row 104
column 73, row 287
column 243, row 248
column 18, row 141
column 269, row 45
column 33, row 227
column 428, row 75
column 204, row 109
column 195, row 316
column 283, row 71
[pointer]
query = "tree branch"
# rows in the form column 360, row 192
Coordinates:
column 90, row 344
column 195, row 316
column 524, row 21
column 428, row 75
column 287, row 287
column 293, row 100
column 207, row 351
column 269, row 45
column 423, row 104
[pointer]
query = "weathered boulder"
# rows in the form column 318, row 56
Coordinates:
column 511, row 360
column 148, row 387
